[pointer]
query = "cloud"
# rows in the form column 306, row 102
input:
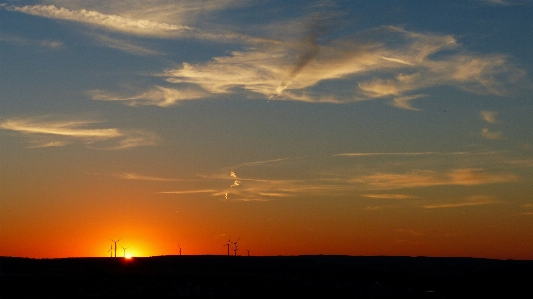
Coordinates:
column 521, row 163
column 123, row 45
column 161, row 11
column 501, row 2
column 189, row 191
column 134, row 176
column 256, row 183
column 108, row 21
column 388, row 196
column 294, row 59
column 378, row 208
column 396, row 154
column 46, row 131
column 428, row 178
column 492, row 135
column 158, row 96
column 20, row 41
column 160, row 19
column 405, row 102
column 489, row 116
column 471, row 201
column 376, row 66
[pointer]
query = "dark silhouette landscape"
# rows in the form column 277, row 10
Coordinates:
column 318, row 276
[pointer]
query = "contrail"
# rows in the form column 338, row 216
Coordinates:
column 309, row 50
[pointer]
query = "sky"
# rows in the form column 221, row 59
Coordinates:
column 399, row 128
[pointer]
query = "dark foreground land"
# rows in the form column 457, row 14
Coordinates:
column 265, row 277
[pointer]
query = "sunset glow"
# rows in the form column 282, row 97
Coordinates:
column 307, row 127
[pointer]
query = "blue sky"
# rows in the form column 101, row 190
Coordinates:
column 408, row 107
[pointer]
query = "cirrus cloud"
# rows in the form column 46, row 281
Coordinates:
column 429, row 178
column 48, row 132
column 372, row 65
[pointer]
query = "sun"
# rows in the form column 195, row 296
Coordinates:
column 128, row 256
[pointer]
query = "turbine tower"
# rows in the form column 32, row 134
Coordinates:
column 235, row 247
column 180, row 248
column 116, row 245
column 124, row 250
column 229, row 242
column 248, row 250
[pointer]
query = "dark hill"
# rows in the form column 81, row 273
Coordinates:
column 265, row 277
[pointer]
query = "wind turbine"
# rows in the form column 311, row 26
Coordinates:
column 229, row 242
column 111, row 250
column 180, row 248
column 124, row 250
column 115, row 245
column 235, row 247
column 248, row 250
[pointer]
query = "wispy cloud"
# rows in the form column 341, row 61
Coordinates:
column 489, row 116
column 139, row 177
column 108, row 21
column 388, row 196
column 492, row 135
column 189, row 191
column 158, row 96
column 263, row 70
column 503, row 2
column 397, row 154
column 378, row 208
column 160, row 19
column 48, row 131
column 387, row 62
column 471, row 201
column 521, row 162
column 123, row 45
column 405, row 102
column 20, row 41
column 428, row 178
column 257, row 184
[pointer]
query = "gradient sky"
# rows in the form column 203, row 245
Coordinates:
column 300, row 127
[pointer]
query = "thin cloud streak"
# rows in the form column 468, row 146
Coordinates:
column 395, row 154
column 45, row 132
column 188, row 191
column 126, row 21
column 158, row 96
column 110, row 22
column 471, row 201
column 388, row 196
column 139, row 177
column 429, row 178
column 123, row 45
column 20, row 41
column 62, row 128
